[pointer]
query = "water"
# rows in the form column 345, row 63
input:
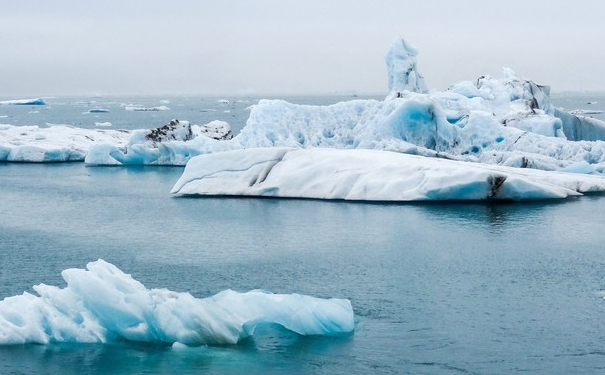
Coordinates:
column 436, row 288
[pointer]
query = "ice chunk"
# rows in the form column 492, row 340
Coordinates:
column 369, row 175
column 172, row 144
column 37, row 101
column 53, row 144
column 102, row 304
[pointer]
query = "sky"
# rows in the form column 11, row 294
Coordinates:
column 255, row 47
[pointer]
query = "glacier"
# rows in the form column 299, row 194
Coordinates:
column 101, row 304
column 370, row 175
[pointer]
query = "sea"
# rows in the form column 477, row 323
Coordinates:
column 436, row 288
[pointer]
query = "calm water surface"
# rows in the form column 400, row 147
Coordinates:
column 436, row 288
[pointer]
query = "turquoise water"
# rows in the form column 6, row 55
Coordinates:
column 436, row 288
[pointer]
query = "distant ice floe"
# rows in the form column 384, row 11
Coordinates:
column 146, row 109
column 37, row 101
column 102, row 304
column 584, row 112
column 103, row 124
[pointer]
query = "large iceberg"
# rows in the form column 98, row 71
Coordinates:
column 370, row 175
column 102, row 304
column 505, row 121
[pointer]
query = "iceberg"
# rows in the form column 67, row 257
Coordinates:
column 62, row 143
column 57, row 143
column 172, row 144
column 370, row 175
column 101, row 304
column 37, row 101
column 506, row 121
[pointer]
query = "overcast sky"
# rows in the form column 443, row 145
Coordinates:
column 290, row 46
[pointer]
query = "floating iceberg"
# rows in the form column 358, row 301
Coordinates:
column 370, row 175
column 57, row 143
column 60, row 143
column 172, row 144
column 507, row 121
column 37, row 101
column 102, row 304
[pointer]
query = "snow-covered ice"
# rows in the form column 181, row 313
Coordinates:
column 370, row 175
column 102, row 304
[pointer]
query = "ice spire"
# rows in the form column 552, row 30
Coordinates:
column 403, row 75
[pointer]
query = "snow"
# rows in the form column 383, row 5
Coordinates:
column 37, row 101
column 370, row 175
column 102, row 304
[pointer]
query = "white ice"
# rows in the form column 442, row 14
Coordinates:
column 370, row 175
column 59, row 143
column 36, row 101
column 54, row 143
column 102, row 304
